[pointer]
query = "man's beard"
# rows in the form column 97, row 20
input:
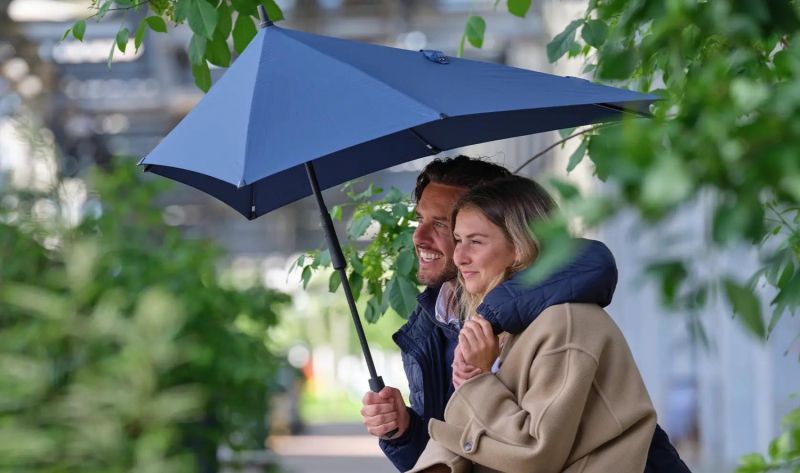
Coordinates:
column 449, row 272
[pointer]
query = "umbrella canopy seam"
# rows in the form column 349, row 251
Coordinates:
column 377, row 80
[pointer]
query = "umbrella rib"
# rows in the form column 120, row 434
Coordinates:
column 435, row 149
column 623, row 110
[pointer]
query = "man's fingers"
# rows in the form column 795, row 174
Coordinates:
column 378, row 409
column 379, row 420
column 371, row 398
column 382, row 430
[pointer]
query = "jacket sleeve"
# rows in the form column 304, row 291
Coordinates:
column 485, row 423
column 590, row 277
column 404, row 451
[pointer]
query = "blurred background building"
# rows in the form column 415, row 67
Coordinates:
column 718, row 400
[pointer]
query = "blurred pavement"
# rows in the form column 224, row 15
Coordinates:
column 333, row 448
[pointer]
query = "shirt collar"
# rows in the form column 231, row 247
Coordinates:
column 441, row 311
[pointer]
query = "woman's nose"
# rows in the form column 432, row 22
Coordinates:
column 460, row 256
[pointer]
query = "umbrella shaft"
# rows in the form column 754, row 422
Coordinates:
column 337, row 258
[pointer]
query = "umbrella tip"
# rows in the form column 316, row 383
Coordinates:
column 140, row 162
column 241, row 184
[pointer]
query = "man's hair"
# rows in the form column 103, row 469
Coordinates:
column 460, row 171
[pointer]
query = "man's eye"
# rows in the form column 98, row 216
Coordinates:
column 476, row 242
column 440, row 225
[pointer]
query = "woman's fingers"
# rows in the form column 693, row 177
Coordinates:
column 485, row 326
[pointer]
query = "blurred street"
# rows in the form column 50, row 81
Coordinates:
column 333, row 448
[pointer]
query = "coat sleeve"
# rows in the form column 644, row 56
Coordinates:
column 435, row 459
column 485, row 423
column 404, row 451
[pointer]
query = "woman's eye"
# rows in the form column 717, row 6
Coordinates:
column 476, row 242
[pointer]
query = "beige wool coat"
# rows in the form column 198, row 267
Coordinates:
column 568, row 398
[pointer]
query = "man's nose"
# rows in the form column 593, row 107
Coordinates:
column 422, row 234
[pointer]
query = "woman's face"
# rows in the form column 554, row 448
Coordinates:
column 482, row 253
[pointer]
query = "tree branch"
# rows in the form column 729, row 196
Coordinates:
column 560, row 142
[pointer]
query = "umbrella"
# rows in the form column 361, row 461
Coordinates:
column 298, row 112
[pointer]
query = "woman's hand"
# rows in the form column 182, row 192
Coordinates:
column 462, row 370
column 479, row 345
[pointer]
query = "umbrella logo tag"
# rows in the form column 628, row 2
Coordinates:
column 436, row 56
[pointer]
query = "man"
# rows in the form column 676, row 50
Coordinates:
column 428, row 340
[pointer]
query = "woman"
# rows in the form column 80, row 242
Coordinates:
column 564, row 395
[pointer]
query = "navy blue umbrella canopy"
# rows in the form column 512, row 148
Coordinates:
column 297, row 113
column 351, row 109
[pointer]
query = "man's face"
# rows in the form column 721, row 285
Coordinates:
column 433, row 238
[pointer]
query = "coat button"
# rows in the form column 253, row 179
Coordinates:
column 467, row 447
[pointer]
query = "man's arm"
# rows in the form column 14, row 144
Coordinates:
column 385, row 411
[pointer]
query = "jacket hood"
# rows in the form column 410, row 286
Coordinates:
column 590, row 277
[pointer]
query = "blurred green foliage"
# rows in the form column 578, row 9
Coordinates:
column 119, row 348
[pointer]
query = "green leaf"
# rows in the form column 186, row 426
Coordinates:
column 565, row 189
column 563, row 41
column 373, row 311
column 616, row 62
column 324, row 258
column 595, row 32
column 557, row 247
column 405, row 262
column 245, row 7
column 66, row 33
column 474, row 31
column 202, row 76
column 667, row 183
column 79, row 29
column 197, row 50
column 139, row 36
column 336, row 213
column 156, row 23
column 273, row 10
column 384, row 218
column 747, row 306
column 358, row 226
column 356, row 284
column 217, row 51
column 182, row 9
column 203, row 18
column 355, row 263
column 225, row 15
column 101, row 12
column 306, row 276
column 519, row 7
column 122, row 39
column 334, row 281
column 244, row 30
column 402, row 295
column 577, row 155
column 563, row 133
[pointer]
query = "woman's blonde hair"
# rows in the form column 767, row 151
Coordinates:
column 511, row 203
